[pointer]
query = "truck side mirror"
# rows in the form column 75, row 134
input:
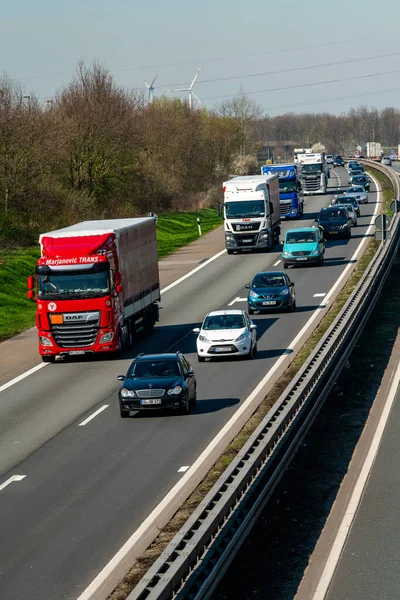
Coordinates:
column 220, row 210
column 31, row 287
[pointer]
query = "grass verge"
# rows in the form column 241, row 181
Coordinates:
column 151, row 554
column 17, row 312
column 387, row 190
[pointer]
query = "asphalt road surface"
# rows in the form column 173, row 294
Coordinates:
column 87, row 488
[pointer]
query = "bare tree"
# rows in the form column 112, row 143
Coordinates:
column 245, row 112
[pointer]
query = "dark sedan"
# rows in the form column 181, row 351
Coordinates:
column 338, row 161
column 335, row 222
column 158, row 381
column 269, row 291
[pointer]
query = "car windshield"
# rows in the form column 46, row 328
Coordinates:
column 81, row 284
column 360, row 178
column 328, row 214
column 349, row 207
column 245, row 209
column 268, row 280
column 300, row 237
column 357, row 189
column 215, row 322
column 287, row 187
column 154, row 368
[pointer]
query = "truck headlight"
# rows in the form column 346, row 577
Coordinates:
column 45, row 341
column 175, row 391
column 106, row 337
column 125, row 393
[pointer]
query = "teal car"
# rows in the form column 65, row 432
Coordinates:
column 305, row 245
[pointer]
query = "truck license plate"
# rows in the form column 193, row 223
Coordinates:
column 151, row 401
column 74, row 352
column 246, row 241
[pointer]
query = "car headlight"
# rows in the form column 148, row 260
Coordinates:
column 125, row 393
column 286, row 254
column 314, row 252
column 242, row 337
column 45, row 341
column 344, row 226
column 284, row 292
column 107, row 337
column 203, row 338
column 175, row 391
column 253, row 294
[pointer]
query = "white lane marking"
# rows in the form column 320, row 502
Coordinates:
column 183, row 469
column 123, row 557
column 238, row 299
column 277, row 263
column 204, row 264
column 100, row 410
column 21, row 377
column 319, row 295
column 13, row 478
column 355, row 499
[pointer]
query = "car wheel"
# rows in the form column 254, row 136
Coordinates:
column 348, row 235
column 250, row 354
column 285, row 265
column 185, row 410
column 250, row 311
column 194, row 399
column 229, row 251
column 200, row 358
column 124, row 413
column 48, row 359
column 321, row 261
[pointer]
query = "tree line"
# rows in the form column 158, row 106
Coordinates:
column 98, row 150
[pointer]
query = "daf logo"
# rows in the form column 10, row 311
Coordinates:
column 74, row 317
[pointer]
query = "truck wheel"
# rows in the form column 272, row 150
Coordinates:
column 48, row 359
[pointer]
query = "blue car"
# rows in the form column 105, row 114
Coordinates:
column 270, row 291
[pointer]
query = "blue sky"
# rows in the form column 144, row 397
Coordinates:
column 41, row 42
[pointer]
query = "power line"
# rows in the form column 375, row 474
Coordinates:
column 291, row 70
column 304, row 85
column 220, row 58
column 280, row 106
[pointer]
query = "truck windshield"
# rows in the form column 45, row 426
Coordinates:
column 287, row 187
column 245, row 209
column 84, row 285
column 316, row 168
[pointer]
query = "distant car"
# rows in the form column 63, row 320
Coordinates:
column 329, row 159
column 158, row 381
column 354, row 173
column 269, row 291
column 347, row 199
column 335, row 221
column 338, row 161
column 305, row 245
column 352, row 164
column 226, row 333
column 352, row 212
column 386, row 160
column 362, row 180
column 359, row 193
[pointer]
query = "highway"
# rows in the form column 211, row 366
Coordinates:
column 87, row 488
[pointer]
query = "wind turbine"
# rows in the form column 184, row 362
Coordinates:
column 150, row 87
column 190, row 90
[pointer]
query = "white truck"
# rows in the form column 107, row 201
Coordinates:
column 298, row 151
column 314, row 173
column 251, row 211
column 374, row 150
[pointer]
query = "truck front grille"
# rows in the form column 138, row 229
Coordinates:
column 79, row 334
column 255, row 226
column 312, row 184
column 285, row 208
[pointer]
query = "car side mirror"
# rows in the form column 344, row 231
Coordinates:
column 189, row 373
column 247, row 286
column 316, row 220
column 253, row 327
column 121, row 377
column 196, row 330
column 291, row 284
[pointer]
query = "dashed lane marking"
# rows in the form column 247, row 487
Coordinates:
column 100, row 410
column 11, row 479
column 237, row 300
column 183, row 469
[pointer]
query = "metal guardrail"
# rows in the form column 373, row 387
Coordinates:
column 198, row 556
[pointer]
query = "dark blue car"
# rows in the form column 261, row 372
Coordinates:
column 270, row 291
